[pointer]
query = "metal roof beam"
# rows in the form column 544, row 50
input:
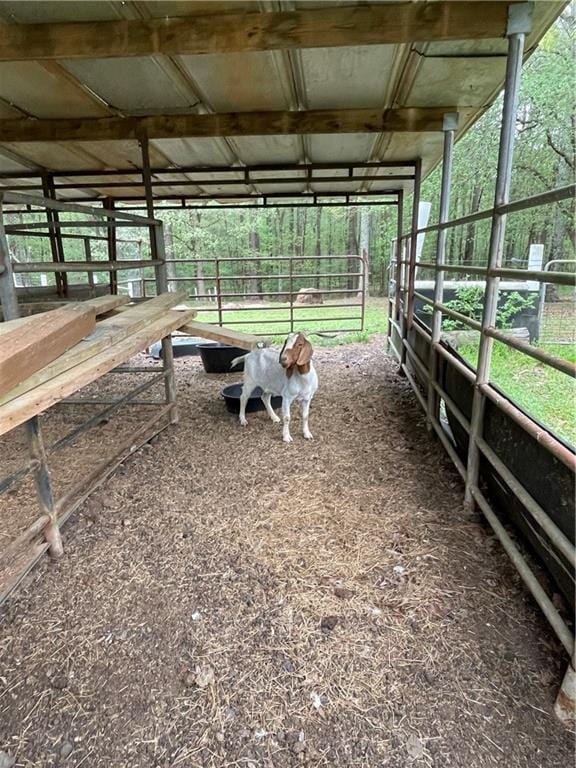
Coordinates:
column 387, row 23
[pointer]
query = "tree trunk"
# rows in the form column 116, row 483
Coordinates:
column 468, row 257
column 170, row 265
column 318, row 268
column 364, row 251
column 352, row 245
column 254, row 282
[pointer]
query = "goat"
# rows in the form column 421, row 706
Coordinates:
column 290, row 374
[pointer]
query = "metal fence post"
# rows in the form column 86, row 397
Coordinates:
column 449, row 127
column 409, row 295
column 218, row 291
column 519, row 24
column 399, row 255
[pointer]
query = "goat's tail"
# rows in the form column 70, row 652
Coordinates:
column 238, row 360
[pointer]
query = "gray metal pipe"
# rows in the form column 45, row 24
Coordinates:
column 502, row 196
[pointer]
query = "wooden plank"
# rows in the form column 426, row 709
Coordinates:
column 379, row 24
column 101, row 305
column 221, row 334
column 28, row 347
column 107, row 332
column 63, row 385
column 405, row 119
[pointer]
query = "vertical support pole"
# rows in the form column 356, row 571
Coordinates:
column 449, row 127
column 33, row 430
column 291, row 289
column 157, row 250
column 112, row 246
column 218, row 291
column 88, row 255
column 399, row 255
column 8, row 296
column 409, row 298
column 519, row 24
column 56, row 242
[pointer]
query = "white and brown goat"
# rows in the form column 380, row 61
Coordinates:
column 289, row 374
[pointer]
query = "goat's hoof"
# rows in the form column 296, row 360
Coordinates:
column 276, row 419
column 287, row 439
column 308, row 436
column 243, row 423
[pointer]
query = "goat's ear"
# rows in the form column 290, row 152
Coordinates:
column 305, row 353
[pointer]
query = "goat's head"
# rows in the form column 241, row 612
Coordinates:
column 296, row 353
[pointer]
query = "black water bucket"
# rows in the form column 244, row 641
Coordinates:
column 231, row 395
column 217, row 358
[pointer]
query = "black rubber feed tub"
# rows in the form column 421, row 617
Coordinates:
column 183, row 346
column 231, row 395
column 216, row 358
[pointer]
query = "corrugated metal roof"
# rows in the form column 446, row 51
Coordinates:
column 464, row 74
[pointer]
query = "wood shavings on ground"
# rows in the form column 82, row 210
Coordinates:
column 229, row 600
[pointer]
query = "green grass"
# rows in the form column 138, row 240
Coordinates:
column 546, row 394
column 306, row 318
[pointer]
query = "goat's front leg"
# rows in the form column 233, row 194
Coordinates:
column 247, row 389
column 266, row 399
column 286, row 420
column 305, row 410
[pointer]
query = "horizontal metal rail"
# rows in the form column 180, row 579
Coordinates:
column 474, row 324
column 69, row 235
column 556, row 536
column 522, row 275
column 301, row 320
column 538, row 354
column 295, row 276
column 562, row 632
column 83, row 266
column 302, row 179
column 67, row 207
column 539, row 433
column 274, row 259
column 23, row 226
column 241, row 171
column 545, row 198
column 554, row 533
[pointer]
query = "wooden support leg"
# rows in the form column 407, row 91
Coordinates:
column 44, row 486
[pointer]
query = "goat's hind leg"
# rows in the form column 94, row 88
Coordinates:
column 304, row 411
column 266, row 399
column 286, row 419
column 247, row 389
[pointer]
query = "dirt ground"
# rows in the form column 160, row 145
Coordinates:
column 229, row 600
